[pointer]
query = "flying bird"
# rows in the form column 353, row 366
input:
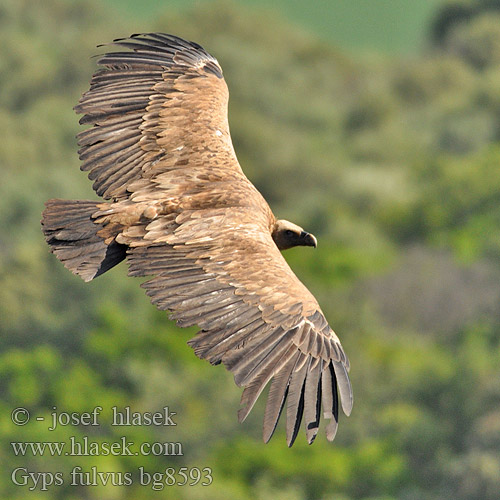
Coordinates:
column 179, row 208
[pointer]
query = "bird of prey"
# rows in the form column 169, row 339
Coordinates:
column 179, row 208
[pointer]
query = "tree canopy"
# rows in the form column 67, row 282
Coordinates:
column 391, row 162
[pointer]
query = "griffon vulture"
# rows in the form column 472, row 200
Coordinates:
column 179, row 208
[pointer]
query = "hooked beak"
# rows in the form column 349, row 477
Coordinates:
column 308, row 239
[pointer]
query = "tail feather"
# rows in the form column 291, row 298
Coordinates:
column 71, row 233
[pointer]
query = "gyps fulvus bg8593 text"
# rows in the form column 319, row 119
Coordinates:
column 181, row 210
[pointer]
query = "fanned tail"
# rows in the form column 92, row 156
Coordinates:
column 71, row 233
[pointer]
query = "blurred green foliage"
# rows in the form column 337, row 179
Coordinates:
column 393, row 164
column 394, row 26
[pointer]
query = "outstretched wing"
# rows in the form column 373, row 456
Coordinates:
column 159, row 116
column 160, row 134
column 220, row 269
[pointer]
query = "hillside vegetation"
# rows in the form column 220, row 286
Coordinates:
column 392, row 164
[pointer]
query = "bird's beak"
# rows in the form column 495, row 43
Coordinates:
column 308, row 239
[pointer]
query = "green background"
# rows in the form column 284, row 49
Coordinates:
column 373, row 124
column 387, row 25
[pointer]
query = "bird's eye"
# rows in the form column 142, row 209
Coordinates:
column 290, row 233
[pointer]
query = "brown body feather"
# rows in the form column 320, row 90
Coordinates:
column 181, row 210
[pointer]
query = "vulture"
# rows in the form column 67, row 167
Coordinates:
column 178, row 207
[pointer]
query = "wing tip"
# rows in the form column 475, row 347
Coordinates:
column 243, row 414
column 331, row 429
column 170, row 49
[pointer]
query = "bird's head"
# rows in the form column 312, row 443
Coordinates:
column 287, row 235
